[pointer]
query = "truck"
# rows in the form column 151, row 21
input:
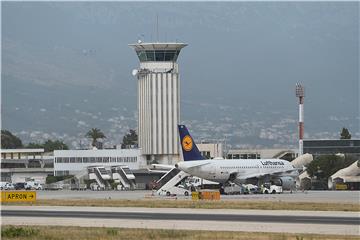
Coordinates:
column 273, row 189
column 233, row 189
column 33, row 185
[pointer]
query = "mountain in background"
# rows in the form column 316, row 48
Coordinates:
column 66, row 68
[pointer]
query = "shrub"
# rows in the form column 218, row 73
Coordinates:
column 112, row 231
column 53, row 179
column 12, row 232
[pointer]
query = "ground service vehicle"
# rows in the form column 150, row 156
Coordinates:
column 271, row 189
column 33, row 185
column 19, row 185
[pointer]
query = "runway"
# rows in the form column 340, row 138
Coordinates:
column 185, row 216
column 317, row 222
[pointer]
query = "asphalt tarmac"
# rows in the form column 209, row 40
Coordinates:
column 316, row 222
column 185, row 216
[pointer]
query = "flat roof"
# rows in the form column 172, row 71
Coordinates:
column 132, row 152
column 157, row 46
column 23, row 150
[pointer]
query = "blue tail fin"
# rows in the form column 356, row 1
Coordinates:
column 188, row 146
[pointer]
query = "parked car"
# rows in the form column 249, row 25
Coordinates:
column 33, row 185
column 19, row 185
column 10, row 186
column 4, row 185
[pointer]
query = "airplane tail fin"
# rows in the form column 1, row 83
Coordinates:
column 188, row 146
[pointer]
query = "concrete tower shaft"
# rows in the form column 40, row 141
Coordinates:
column 158, row 100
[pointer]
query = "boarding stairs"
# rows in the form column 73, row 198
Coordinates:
column 173, row 183
column 167, row 177
column 101, row 176
column 123, row 176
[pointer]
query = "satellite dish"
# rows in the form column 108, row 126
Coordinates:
column 134, row 72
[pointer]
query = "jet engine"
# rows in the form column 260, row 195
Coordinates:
column 287, row 183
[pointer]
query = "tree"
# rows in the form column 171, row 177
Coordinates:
column 49, row 145
column 95, row 134
column 326, row 165
column 8, row 140
column 345, row 134
column 129, row 139
column 35, row 145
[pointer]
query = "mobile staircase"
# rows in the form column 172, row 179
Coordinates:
column 101, row 176
column 173, row 183
column 167, row 177
column 123, row 175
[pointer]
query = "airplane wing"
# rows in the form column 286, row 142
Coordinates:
column 247, row 176
column 257, row 175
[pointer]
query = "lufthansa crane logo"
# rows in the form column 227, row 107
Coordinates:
column 187, row 143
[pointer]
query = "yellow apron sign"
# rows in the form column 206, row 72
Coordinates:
column 18, row 196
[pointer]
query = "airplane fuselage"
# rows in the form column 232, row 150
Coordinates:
column 222, row 170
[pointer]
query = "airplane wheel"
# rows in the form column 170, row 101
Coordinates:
column 167, row 193
column 186, row 194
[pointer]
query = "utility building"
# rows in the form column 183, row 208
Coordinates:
column 158, row 100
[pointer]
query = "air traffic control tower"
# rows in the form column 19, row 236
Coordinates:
column 158, row 100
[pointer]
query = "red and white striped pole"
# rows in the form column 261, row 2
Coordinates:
column 300, row 93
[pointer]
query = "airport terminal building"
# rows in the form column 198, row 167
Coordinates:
column 20, row 165
column 318, row 147
column 71, row 162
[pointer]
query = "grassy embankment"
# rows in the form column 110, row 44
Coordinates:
column 64, row 233
column 202, row 204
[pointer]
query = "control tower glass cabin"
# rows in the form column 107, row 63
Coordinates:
column 158, row 100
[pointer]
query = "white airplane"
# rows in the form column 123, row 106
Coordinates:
column 238, row 171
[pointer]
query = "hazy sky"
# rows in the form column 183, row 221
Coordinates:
column 239, row 54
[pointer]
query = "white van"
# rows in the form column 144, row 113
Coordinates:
column 33, row 185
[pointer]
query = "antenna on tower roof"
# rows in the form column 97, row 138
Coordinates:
column 157, row 27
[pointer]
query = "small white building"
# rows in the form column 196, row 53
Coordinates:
column 71, row 162
column 20, row 165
